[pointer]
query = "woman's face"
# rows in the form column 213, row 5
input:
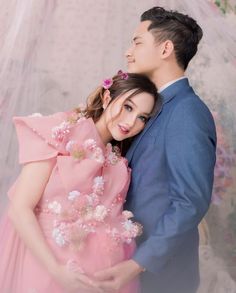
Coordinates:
column 126, row 117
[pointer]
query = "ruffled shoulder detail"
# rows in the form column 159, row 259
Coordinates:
column 36, row 137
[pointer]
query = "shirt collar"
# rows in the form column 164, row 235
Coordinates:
column 162, row 88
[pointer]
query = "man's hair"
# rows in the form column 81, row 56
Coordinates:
column 182, row 30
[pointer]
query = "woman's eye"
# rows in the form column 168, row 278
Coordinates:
column 128, row 108
column 143, row 119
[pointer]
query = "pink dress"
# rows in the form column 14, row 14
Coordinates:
column 80, row 212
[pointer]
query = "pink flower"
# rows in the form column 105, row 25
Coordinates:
column 123, row 75
column 107, row 83
column 60, row 131
column 93, row 199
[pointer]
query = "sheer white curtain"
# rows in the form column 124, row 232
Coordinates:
column 54, row 52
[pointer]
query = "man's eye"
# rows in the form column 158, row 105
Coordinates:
column 138, row 43
column 143, row 119
column 128, row 107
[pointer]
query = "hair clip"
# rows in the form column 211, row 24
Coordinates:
column 123, row 75
column 107, row 83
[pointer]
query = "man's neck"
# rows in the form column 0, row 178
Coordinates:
column 166, row 75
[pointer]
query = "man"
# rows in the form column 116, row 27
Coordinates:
column 172, row 161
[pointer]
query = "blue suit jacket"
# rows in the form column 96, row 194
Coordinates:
column 172, row 163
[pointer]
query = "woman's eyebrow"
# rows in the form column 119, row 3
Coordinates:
column 132, row 102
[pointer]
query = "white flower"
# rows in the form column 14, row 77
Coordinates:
column 35, row 115
column 128, row 225
column 89, row 144
column 58, row 237
column 92, row 199
column 112, row 158
column 114, row 232
column 100, row 213
column 69, row 145
column 98, row 180
column 60, row 131
column 97, row 155
column 55, row 207
column 127, row 214
column 128, row 240
column 73, row 194
column 98, row 185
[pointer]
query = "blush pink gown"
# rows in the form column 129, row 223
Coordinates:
column 80, row 212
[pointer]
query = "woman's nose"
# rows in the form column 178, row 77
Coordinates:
column 130, row 121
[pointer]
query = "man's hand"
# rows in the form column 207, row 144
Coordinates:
column 114, row 278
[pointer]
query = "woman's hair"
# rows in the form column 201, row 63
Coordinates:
column 120, row 85
column 181, row 29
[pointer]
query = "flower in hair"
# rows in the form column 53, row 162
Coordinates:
column 123, row 75
column 107, row 83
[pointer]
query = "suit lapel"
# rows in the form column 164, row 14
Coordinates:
column 131, row 150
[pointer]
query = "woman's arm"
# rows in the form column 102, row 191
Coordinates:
column 30, row 187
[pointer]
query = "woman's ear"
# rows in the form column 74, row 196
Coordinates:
column 106, row 99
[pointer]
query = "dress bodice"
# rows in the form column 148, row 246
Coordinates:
column 89, row 182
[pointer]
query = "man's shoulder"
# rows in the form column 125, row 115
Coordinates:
column 189, row 102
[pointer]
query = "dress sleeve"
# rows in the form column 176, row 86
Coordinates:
column 35, row 139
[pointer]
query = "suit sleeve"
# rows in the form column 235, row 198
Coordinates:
column 190, row 143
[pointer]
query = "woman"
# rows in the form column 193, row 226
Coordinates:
column 65, row 218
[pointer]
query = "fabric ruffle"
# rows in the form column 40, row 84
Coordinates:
column 35, row 137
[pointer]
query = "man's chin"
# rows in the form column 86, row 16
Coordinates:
column 133, row 70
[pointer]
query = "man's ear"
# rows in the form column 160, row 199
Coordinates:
column 167, row 49
column 106, row 99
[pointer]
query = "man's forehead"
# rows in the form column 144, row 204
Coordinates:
column 141, row 29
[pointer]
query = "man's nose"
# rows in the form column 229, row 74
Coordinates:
column 128, row 52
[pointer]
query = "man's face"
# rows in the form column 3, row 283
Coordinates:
column 144, row 54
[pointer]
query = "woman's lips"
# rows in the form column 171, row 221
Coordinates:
column 123, row 129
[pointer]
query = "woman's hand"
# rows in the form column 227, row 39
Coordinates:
column 74, row 281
